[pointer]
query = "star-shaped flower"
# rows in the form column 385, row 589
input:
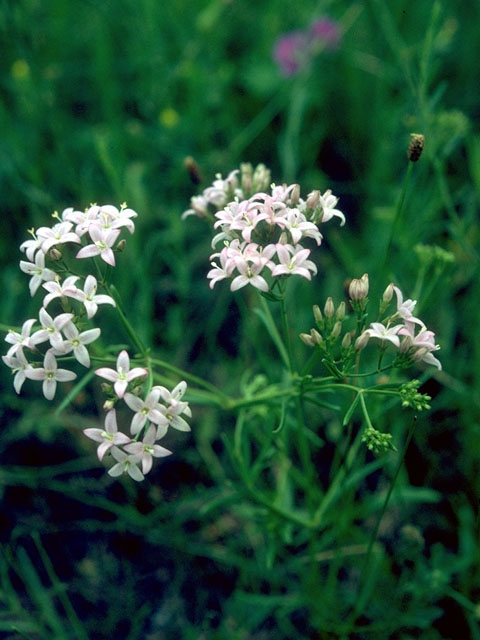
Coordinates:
column 146, row 449
column 76, row 342
column 127, row 463
column 19, row 365
column 148, row 409
column 38, row 271
column 123, row 375
column 103, row 241
column 50, row 375
column 109, row 436
column 91, row 299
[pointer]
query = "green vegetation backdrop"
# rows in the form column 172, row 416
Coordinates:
column 102, row 101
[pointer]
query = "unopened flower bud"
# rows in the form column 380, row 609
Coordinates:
column 193, row 170
column 388, row 293
column 55, row 254
column 347, row 340
column 358, row 289
column 306, row 338
column 316, row 337
column 337, row 329
column 105, row 387
column 362, row 341
column 317, row 314
column 416, row 146
column 121, row 245
column 313, row 199
column 340, row 315
column 329, row 308
column 261, row 178
column 109, row 404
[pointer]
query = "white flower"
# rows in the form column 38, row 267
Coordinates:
column 76, row 342
column 249, row 274
column 148, row 409
column 146, row 449
column 123, row 375
column 103, row 241
column 38, row 271
column 126, row 464
column 328, row 202
column 405, row 308
column 175, row 407
column 51, row 329
column 58, row 234
column 29, row 247
column 380, row 332
column 91, row 299
column 293, row 261
column 22, row 339
column 19, row 365
column 66, row 289
column 50, row 374
column 299, row 227
column 107, row 437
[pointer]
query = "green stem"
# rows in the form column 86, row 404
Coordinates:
column 190, row 377
column 365, row 573
column 112, row 291
column 398, row 213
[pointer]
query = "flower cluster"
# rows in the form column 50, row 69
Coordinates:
column 294, row 50
column 408, row 334
column 63, row 330
column 262, row 231
column 152, row 416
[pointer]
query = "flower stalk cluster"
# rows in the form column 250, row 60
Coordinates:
column 262, row 231
column 63, row 332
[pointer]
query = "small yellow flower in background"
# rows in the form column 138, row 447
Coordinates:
column 169, row 118
column 20, row 69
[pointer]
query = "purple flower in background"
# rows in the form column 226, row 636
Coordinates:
column 326, row 33
column 291, row 52
column 295, row 49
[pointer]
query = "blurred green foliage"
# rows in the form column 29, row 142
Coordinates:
column 102, row 100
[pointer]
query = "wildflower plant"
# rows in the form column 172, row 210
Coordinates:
column 65, row 335
column 266, row 236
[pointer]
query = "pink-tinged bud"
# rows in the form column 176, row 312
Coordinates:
column 307, row 339
column 388, row 293
column 329, row 308
column 109, row 404
column 337, row 329
column 313, row 199
column 55, row 254
column 295, row 196
column 362, row 341
column 340, row 315
column 358, row 289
